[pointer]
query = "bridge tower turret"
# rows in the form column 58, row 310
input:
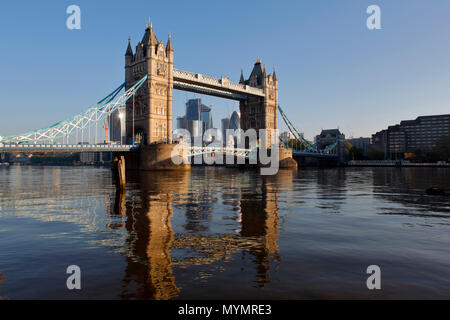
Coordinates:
column 152, row 104
column 128, row 60
column 260, row 112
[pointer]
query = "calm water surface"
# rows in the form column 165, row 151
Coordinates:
column 216, row 233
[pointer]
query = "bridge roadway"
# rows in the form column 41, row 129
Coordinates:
column 65, row 148
column 192, row 151
column 79, row 148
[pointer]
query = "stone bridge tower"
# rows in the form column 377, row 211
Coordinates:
column 153, row 101
column 260, row 112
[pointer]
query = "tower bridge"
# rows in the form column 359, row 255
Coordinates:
column 150, row 78
column 149, row 113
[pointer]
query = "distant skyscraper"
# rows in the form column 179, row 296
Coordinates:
column 117, row 130
column 198, row 118
column 193, row 109
column 206, row 117
column 225, row 125
column 181, row 123
column 235, row 121
column 235, row 124
column 195, row 128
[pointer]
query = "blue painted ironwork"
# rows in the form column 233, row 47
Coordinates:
column 92, row 115
column 65, row 148
column 310, row 149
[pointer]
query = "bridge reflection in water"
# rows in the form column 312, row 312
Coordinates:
column 223, row 233
column 154, row 249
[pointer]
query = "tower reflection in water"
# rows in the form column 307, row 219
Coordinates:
column 153, row 247
column 148, row 213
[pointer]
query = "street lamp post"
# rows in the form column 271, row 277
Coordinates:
column 133, row 119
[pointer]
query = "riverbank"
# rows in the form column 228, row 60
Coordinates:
column 57, row 164
column 399, row 163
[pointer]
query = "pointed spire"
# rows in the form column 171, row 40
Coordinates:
column 149, row 37
column 274, row 75
column 169, row 44
column 152, row 40
column 242, row 81
column 258, row 74
column 129, row 50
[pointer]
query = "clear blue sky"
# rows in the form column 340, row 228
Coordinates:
column 332, row 70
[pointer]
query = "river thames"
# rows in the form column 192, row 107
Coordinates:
column 218, row 233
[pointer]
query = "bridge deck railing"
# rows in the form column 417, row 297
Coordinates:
column 197, row 77
column 5, row 148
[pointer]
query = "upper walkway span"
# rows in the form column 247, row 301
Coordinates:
column 223, row 88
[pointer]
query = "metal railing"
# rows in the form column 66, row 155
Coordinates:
column 219, row 83
column 58, row 148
